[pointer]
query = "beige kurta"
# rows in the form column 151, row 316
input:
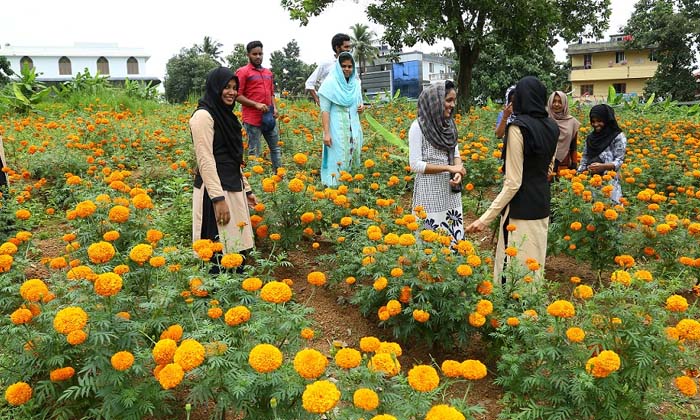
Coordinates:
column 237, row 235
column 2, row 153
column 530, row 236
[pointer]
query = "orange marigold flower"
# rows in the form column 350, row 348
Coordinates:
column 170, row 375
column 231, row 260
column 215, row 313
column 583, row 292
column 485, row 288
column 76, row 337
column 265, row 358
column 512, row 321
column 473, row 370
column 307, row 333
column 110, row 236
column 676, row 303
column 476, row 319
column 385, row 363
column 604, row 364
column 451, row 368
column 237, row 315
column 423, row 378
column 70, row 319
column 119, row 214
column 108, row 284
column 173, row 332
column 157, row 261
column 380, row 283
column 189, row 355
column 686, row 385
column 276, row 292
column 444, row 412
column 621, row 276
column 141, row 253
column 511, row 251
column 366, row 399
column 33, row 290
column 575, row 334
column 421, row 315
column 23, row 214
column 320, row 397
column 348, row 358
column 21, row 316
column 18, row 393
column 164, row 350
column 310, row 363
column 316, row 278
column 122, row 360
column 369, row 344
column 561, row 309
column 153, row 235
column 61, row 374
column 251, row 284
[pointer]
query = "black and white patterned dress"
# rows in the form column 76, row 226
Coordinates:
column 432, row 191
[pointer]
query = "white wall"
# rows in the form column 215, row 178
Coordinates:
column 48, row 65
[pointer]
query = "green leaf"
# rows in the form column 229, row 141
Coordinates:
column 386, row 134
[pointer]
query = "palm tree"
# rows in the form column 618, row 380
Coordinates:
column 211, row 47
column 363, row 40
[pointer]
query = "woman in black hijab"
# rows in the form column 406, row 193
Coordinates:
column 221, row 193
column 605, row 147
column 523, row 203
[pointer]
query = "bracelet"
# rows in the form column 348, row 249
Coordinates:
column 249, row 192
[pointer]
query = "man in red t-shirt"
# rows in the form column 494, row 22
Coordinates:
column 256, row 94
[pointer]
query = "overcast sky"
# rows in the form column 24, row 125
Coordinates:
column 162, row 28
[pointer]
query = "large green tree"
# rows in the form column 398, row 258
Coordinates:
column 238, row 57
column 363, row 43
column 672, row 28
column 186, row 73
column 499, row 68
column 211, row 47
column 521, row 25
column 5, row 70
column 290, row 72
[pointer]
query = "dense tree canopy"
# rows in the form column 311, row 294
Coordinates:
column 672, row 27
column 363, row 44
column 238, row 57
column 186, row 74
column 520, row 25
column 290, row 72
column 5, row 70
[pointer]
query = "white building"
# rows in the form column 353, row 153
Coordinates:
column 60, row 64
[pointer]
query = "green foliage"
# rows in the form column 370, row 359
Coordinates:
column 5, row 71
column 25, row 94
column 363, row 43
column 289, row 71
column 238, row 57
column 186, row 74
column 670, row 27
column 85, row 83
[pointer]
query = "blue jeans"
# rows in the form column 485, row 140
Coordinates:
column 272, row 137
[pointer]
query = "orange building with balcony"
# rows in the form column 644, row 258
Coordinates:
column 597, row 65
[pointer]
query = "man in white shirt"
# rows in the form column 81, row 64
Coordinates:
column 340, row 43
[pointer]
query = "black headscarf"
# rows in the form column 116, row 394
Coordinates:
column 440, row 132
column 596, row 142
column 225, row 122
column 540, row 133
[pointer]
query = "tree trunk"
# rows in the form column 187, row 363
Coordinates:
column 467, row 56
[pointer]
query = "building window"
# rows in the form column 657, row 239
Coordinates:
column 26, row 62
column 587, row 61
column 431, row 67
column 620, row 57
column 652, row 55
column 586, row 90
column 102, row 66
column 64, row 66
column 620, row 87
column 132, row 66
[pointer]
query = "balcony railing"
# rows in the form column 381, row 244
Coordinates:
column 441, row 76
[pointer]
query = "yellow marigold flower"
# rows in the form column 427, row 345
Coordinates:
column 316, row 278
column 575, row 334
column 688, row 329
column 583, row 292
column 119, row 214
column 269, row 185
column 108, row 284
column 383, row 417
column 237, row 315
column 348, row 358
column 621, row 276
column 407, row 239
column 231, row 260
column 300, row 158
column 474, row 260
column 157, row 261
column 604, row 364
column 385, row 363
column 390, row 347
column 369, row 344
column 391, row 239
column 396, row 272
column 476, row 319
column 394, row 307
column 33, row 290
column 423, row 378
column 307, row 333
column 473, row 369
column 676, row 303
column 141, row 253
column 561, row 309
column 173, row 332
column 163, row 351
column 275, row 236
column 512, row 321
column 451, row 368
column 18, row 393
column 122, row 360
column 170, row 376
column 610, row 214
column 8, row 248
column 365, row 399
column 251, row 284
column 21, row 316
column 663, row 228
column 189, row 354
column 484, row 307
column 643, row 275
column 124, row 315
column 686, row 385
column 380, row 284
column 320, row 397
column 464, row 270
column 511, row 251
column 61, row 374
column 276, row 292
column 76, row 337
column 444, row 412
column 421, row 315
column 310, row 363
column 70, row 319
column 265, row 358
column 142, row 201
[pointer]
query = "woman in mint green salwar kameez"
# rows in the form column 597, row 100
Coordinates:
column 341, row 103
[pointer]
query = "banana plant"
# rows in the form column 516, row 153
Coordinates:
column 25, row 94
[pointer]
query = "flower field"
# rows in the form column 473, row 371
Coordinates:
column 120, row 318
